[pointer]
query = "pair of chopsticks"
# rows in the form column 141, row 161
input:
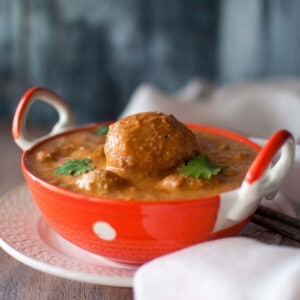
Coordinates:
column 277, row 222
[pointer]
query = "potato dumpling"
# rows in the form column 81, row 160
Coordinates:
column 149, row 143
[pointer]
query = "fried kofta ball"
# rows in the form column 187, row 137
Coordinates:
column 149, row 143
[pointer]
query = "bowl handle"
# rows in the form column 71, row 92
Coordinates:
column 263, row 178
column 65, row 116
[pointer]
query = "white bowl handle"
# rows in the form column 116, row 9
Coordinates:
column 263, row 178
column 65, row 116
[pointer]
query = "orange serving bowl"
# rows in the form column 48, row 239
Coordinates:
column 133, row 232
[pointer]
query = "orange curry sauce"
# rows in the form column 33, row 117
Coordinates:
column 117, row 184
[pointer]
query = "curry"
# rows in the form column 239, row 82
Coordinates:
column 143, row 157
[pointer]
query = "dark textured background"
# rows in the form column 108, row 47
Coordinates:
column 96, row 52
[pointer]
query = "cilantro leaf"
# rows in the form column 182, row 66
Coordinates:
column 102, row 130
column 75, row 167
column 200, row 167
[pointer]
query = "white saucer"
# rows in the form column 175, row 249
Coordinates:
column 26, row 237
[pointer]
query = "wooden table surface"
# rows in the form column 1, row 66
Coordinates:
column 18, row 281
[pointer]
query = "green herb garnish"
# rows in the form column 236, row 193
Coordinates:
column 200, row 167
column 102, row 130
column 75, row 167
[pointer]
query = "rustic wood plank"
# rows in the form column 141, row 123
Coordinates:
column 19, row 282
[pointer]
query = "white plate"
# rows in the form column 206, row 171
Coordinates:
column 26, row 237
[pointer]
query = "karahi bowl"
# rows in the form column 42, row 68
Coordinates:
column 134, row 232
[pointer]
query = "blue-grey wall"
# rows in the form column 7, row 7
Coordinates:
column 96, row 52
column 259, row 39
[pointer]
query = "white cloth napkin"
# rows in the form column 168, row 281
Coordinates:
column 231, row 268
column 252, row 109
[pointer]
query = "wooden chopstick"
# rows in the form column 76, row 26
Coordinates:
column 277, row 222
